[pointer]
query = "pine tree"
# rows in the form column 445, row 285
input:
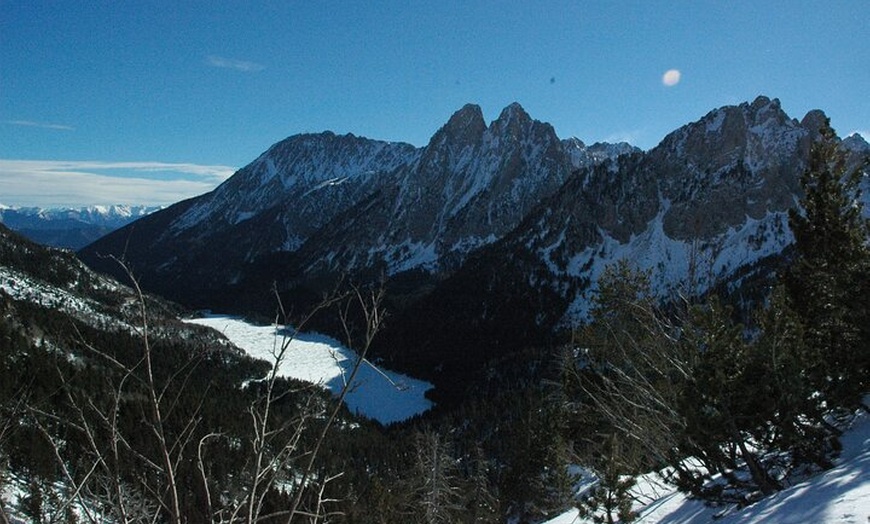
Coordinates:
column 669, row 386
column 828, row 281
column 611, row 497
column 634, row 368
column 724, row 412
column 797, row 424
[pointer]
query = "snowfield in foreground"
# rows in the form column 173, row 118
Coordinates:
column 378, row 394
column 839, row 495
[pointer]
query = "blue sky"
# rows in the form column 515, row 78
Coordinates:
column 155, row 101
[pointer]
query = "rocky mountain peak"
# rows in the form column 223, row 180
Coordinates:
column 512, row 121
column 574, row 143
column 513, row 110
column 472, row 184
column 855, row 142
column 728, row 134
column 813, row 121
column 858, row 158
column 732, row 163
column 582, row 156
column 761, row 101
column 465, row 127
column 764, row 109
column 763, row 104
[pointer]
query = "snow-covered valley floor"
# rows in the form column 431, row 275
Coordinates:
column 839, row 495
column 377, row 393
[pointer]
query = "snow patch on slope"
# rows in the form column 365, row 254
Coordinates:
column 676, row 265
column 841, row 494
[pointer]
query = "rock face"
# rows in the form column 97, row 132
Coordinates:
column 738, row 161
column 498, row 231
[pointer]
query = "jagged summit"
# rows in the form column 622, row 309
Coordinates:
column 469, row 116
column 739, row 134
column 513, row 111
column 513, row 122
column 465, row 128
column 763, row 102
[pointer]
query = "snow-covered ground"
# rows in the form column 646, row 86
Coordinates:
column 839, row 495
column 377, row 393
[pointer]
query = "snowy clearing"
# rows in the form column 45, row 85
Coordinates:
column 378, row 394
column 841, row 495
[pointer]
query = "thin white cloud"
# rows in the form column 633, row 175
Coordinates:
column 232, row 63
column 56, row 183
column 42, row 125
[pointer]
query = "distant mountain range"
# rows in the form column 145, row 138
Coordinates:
column 491, row 236
column 70, row 228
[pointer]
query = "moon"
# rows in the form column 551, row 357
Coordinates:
column 671, row 77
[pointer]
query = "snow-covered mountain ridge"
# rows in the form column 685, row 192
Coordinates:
column 498, row 229
column 320, row 205
column 707, row 207
column 306, row 179
column 109, row 211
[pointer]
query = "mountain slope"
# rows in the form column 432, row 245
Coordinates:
column 193, row 250
column 708, row 200
column 96, row 399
